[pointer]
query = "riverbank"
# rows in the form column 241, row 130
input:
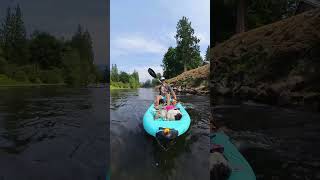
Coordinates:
column 114, row 87
column 275, row 64
column 7, row 82
column 194, row 81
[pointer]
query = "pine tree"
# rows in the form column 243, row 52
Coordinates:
column 188, row 49
column 83, row 43
column 14, row 37
column 114, row 73
column 207, row 55
column 6, row 33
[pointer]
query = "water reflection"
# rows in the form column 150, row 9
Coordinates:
column 44, row 127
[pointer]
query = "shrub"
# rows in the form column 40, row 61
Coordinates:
column 20, row 76
column 51, row 76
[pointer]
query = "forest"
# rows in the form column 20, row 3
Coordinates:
column 41, row 58
column 120, row 80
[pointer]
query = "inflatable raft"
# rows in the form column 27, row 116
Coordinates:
column 241, row 169
column 168, row 129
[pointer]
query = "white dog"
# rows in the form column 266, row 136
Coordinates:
column 172, row 114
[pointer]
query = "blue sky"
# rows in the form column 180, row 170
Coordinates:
column 143, row 30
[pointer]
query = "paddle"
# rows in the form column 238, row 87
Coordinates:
column 152, row 73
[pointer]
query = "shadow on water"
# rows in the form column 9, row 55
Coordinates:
column 44, row 127
column 141, row 156
column 279, row 143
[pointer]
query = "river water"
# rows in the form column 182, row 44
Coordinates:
column 137, row 155
column 279, row 143
column 53, row 133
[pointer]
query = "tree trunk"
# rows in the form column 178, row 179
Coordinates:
column 185, row 67
column 241, row 13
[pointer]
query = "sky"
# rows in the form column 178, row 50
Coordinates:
column 61, row 18
column 141, row 31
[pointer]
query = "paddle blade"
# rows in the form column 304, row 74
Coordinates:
column 152, row 73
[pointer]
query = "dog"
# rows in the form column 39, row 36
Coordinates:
column 170, row 115
column 174, row 114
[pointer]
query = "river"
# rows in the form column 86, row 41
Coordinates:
column 137, row 155
column 279, row 143
column 54, row 132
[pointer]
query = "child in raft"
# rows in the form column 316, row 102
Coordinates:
column 165, row 93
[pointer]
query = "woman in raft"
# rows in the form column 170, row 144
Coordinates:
column 165, row 92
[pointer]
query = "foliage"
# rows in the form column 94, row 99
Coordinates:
column 187, row 50
column 43, row 58
column 45, row 50
column 13, row 37
column 71, row 66
column 171, row 66
column 106, row 75
column 114, row 75
column 3, row 65
column 147, row 84
column 186, row 55
column 123, row 79
column 20, row 76
column 51, row 76
column 259, row 13
column 207, row 55
column 6, row 80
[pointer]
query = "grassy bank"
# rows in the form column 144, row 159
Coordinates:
column 121, row 85
column 115, row 87
column 6, row 82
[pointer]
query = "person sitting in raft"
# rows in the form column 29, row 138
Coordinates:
column 164, row 93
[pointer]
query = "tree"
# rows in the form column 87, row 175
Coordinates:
column 3, row 62
column 82, row 41
column 170, row 64
column 188, row 49
column 207, row 55
column 114, row 73
column 147, row 84
column 72, row 66
column 133, row 82
column 13, row 37
column 124, row 77
column 135, row 74
column 233, row 16
column 45, row 50
column 155, row 82
column 106, row 75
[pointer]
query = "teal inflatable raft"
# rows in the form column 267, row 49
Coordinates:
column 241, row 169
column 168, row 129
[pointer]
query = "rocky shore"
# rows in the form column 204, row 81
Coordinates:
column 275, row 64
column 194, row 81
